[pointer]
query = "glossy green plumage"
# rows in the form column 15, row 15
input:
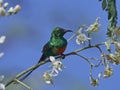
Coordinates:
column 56, row 42
column 55, row 46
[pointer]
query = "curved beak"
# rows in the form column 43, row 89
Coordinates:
column 68, row 31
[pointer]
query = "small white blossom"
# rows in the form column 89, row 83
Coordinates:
column 52, row 59
column 56, row 66
column 108, row 72
column 94, row 27
column 2, row 39
column 114, row 58
column 99, row 76
column 79, row 30
column 1, row 54
column 5, row 5
column 11, row 10
column 108, row 44
column 81, row 38
column 2, row 86
column 47, row 78
column 17, row 8
column 94, row 82
column 117, row 46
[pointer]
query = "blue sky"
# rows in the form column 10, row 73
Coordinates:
column 27, row 32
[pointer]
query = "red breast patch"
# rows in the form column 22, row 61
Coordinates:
column 61, row 50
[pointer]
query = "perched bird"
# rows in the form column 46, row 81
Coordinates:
column 55, row 46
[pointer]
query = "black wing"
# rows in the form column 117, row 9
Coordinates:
column 47, row 47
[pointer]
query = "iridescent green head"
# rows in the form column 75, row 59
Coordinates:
column 59, row 32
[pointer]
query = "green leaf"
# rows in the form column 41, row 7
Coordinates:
column 112, row 13
column 104, row 4
column 109, row 33
column 110, row 7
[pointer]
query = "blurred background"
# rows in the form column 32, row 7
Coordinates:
column 28, row 31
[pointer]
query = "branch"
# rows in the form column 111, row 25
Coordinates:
column 42, row 63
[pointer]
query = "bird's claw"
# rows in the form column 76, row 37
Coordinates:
column 63, row 56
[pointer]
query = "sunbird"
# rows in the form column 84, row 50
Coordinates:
column 55, row 46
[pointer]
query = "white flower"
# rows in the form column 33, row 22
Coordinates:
column 108, row 72
column 2, row 86
column 10, row 11
column 108, row 44
column 52, row 59
column 17, row 8
column 1, row 54
column 56, row 66
column 99, row 76
column 94, row 27
column 48, row 78
column 2, row 39
column 94, row 82
column 113, row 58
column 5, row 5
column 81, row 38
column 117, row 46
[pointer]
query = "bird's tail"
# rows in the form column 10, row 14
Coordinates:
column 26, row 75
column 43, row 57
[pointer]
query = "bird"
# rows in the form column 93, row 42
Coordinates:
column 55, row 46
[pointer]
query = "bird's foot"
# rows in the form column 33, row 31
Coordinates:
column 63, row 56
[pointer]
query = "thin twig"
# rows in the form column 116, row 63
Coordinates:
column 89, row 41
column 25, row 71
column 38, row 65
column 90, row 63
column 23, row 84
column 85, row 58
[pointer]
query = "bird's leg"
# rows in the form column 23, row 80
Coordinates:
column 63, row 56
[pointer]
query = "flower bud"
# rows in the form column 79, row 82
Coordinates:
column 94, row 82
column 2, row 11
column 5, row 5
column 1, row 54
column 17, row 8
column 48, row 78
column 94, row 27
column 2, row 39
column 108, row 72
column 2, row 86
column 11, row 10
